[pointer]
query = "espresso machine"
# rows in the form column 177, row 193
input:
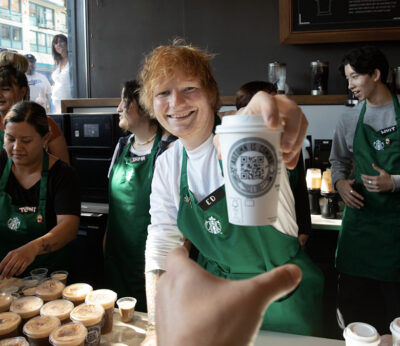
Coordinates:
column 330, row 205
column 313, row 180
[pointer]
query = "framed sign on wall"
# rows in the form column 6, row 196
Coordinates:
column 324, row 21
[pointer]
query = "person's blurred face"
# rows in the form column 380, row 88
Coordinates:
column 129, row 116
column 361, row 85
column 60, row 46
column 181, row 105
column 9, row 96
column 32, row 66
column 23, row 143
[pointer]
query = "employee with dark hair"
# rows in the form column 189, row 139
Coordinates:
column 367, row 140
column 131, row 174
column 39, row 196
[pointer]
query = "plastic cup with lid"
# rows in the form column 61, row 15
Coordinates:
column 92, row 317
column 106, row 298
column 5, row 301
column 252, row 161
column 60, row 275
column 9, row 322
column 77, row 292
column 395, row 330
column 70, row 334
column 360, row 334
column 17, row 341
column 50, row 289
column 38, row 329
column 60, row 308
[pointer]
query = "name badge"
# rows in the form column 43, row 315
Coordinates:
column 388, row 130
column 212, row 198
column 137, row 159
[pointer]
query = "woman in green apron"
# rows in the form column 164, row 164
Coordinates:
column 178, row 88
column 368, row 250
column 39, row 196
column 130, row 177
column 14, row 88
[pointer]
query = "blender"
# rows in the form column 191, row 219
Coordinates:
column 330, row 206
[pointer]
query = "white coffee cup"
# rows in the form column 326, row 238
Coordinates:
column 360, row 334
column 395, row 329
column 252, row 160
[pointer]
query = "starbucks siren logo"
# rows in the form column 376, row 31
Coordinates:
column 213, row 225
column 379, row 145
column 252, row 166
column 14, row 223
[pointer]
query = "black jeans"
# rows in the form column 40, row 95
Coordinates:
column 367, row 300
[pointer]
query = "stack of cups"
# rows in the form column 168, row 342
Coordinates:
column 252, row 161
column 361, row 334
column 105, row 298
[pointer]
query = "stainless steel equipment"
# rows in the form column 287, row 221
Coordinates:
column 319, row 77
column 277, row 75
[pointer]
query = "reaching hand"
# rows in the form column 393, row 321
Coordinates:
column 194, row 307
column 352, row 198
column 378, row 183
column 16, row 261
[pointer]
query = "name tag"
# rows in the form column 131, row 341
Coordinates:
column 137, row 159
column 27, row 210
column 388, row 130
column 212, row 198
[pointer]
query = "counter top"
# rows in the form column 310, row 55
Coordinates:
column 133, row 334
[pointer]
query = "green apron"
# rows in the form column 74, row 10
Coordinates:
column 17, row 229
column 128, row 218
column 1, row 139
column 237, row 252
column 369, row 239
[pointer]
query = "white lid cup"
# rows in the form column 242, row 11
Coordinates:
column 252, row 160
column 360, row 334
column 395, row 329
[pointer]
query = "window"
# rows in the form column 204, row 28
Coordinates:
column 11, row 36
column 41, row 16
column 40, row 42
column 11, row 10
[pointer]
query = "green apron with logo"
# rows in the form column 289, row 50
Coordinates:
column 129, row 205
column 17, row 229
column 369, row 239
column 237, row 252
column 1, row 139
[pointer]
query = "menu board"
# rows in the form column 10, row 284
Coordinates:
column 344, row 14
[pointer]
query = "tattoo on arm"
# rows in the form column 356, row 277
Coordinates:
column 151, row 288
column 46, row 247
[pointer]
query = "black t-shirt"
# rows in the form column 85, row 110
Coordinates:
column 63, row 193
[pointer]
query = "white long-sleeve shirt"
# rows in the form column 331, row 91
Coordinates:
column 204, row 177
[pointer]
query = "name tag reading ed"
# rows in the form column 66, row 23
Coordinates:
column 212, row 198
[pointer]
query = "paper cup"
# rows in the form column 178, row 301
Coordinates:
column 60, row 308
column 77, row 293
column 38, row 329
column 395, row 330
column 126, row 308
column 252, row 160
column 359, row 334
column 9, row 322
column 91, row 316
column 70, row 334
column 105, row 298
column 18, row 341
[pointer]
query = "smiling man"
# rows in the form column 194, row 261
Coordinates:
column 365, row 162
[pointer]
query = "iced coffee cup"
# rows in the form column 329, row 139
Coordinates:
column 70, row 334
column 60, row 308
column 91, row 316
column 395, row 330
column 126, row 308
column 31, row 281
column 50, row 290
column 26, row 307
column 360, row 334
column 106, row 298
column 38, row 329
column 17, row 341
column 5, row 302
column 9, row 322
column 29, row 291
column 77, row 293
column 60, row 275
column 252, row 160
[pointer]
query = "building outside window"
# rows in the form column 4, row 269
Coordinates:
column 41, row 16
column 11, row 36
column 11, row 10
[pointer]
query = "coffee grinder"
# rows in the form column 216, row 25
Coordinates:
column 330, row 205
column 313, row 179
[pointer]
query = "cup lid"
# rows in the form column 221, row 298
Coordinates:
column 395, row 326
column 27, row 306
column 5, row 301
column 104, row 297
column 244, row 123
column 87, row 314
column 60, row 308
column 49, row 288
column 77, row 291
column 126, row 302
column 40, row 326
column 68, row 333
column 17, row 341
column 9, row 321
column 359, row 331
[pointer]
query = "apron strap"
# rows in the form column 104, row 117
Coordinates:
column 6, row 174
column 43, row 181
